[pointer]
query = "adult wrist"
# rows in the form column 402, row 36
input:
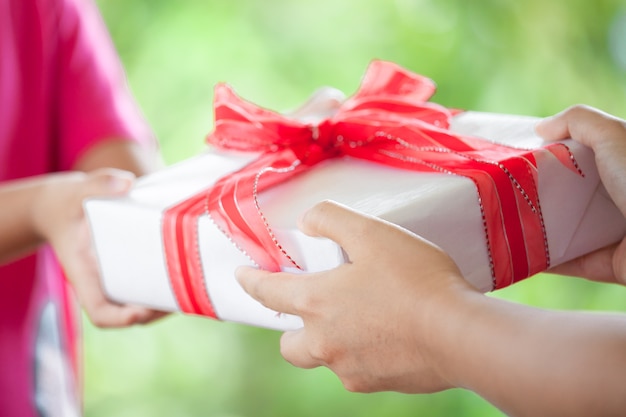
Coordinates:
column 448, row 322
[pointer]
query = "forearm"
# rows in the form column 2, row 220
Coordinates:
column 18, row 234
column 531, row 362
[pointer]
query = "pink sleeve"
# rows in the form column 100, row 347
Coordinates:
column 94, row 98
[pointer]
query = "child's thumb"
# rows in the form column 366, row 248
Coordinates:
column 108, row 182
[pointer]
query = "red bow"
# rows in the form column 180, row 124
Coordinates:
column 390, row 121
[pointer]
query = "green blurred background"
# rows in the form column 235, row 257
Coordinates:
column 533, row 57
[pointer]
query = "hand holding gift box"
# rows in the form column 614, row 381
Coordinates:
column 483, row 187
column 400, row 316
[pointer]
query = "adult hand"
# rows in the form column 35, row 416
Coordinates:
column 59, row 218
column 606, row 135
column 368, row 320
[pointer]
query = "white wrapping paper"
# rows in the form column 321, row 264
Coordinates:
column 579, row 218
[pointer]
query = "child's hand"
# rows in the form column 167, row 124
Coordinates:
column 370, row 320
column 606, row 135
column 58, row 217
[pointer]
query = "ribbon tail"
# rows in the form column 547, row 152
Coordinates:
column 233, row 204
column 565, row 156
column 183, row 263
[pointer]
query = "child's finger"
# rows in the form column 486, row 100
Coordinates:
column 107, row 182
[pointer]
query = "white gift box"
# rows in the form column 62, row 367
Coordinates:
column 578, row 214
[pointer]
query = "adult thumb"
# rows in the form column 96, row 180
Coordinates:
column 343, row 225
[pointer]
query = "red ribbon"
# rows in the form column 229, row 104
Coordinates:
column 390, row 121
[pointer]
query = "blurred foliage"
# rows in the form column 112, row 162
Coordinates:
column 532, row 57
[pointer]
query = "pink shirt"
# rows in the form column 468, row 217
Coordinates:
column 62, row 89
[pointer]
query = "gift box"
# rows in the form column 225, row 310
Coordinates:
column 484, row 187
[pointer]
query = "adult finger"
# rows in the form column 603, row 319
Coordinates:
column 605, row 134
column 295, row 348
column 596, row 266
column 584, row 124
column 343, row 225
column 278, row 291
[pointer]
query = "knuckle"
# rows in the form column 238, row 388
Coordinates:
column 324, row 352
column 316, row 216
column 578, row 108
column 304, row 303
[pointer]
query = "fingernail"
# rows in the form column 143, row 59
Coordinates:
column 118, row 184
